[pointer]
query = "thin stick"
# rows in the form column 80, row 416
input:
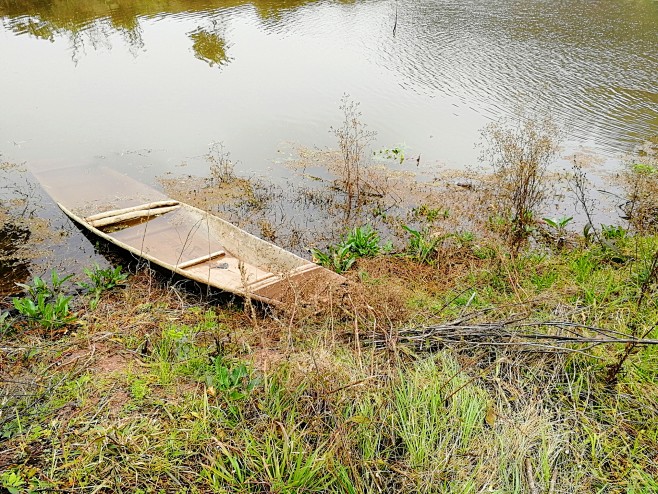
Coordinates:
column 395, row 25
column 530, row 476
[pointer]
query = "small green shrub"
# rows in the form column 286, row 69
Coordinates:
column 39, row 286
column 101, row 281
column 422, row 246
column 50, row 314
column 45, row 305
column 365, row 242
column 613, row 232
column 139, row 389
column 12, row 482
column 360, row 242
column 643, row 168
column 176, row 344
column 234, row 381
column 558, row 228
column 337, row 258
column 465, row 238
column 559, row 224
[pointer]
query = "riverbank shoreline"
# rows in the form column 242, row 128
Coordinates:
column 153, row 389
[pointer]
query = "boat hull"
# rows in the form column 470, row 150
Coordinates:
column 186, row 240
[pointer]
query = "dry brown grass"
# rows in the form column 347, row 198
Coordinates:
column 640, row 184
column 520, row 152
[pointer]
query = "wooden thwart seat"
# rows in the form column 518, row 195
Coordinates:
column 142, row 211
column 199, row 260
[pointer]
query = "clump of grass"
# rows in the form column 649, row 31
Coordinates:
column 423, row 247
column 338, row 258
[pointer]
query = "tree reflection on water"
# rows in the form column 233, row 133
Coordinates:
column 94, row 21
column 13, row 267
column 209, row 46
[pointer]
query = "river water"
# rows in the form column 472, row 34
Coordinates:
column 146, row 86
column 153, row 83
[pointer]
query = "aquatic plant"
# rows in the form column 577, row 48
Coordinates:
column 559, row 227
column 43, row 304
column 559, row 224
column 222, row 169
column 338, row 258
column 39, row 285
column 365, row 242
column 640, row 183
column 353, row 138
column 430, row 214
column 393, row 154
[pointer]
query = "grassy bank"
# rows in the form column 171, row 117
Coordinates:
column 477, row 349
column 152, row 390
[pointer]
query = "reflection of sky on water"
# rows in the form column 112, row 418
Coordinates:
column 149, row 85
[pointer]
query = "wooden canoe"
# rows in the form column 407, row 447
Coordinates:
column 181, row 238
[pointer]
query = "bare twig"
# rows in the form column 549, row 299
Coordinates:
column 532, row 486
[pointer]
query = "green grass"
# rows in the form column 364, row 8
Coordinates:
column 180, row 397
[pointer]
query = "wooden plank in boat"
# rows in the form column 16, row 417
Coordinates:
column 227, row 272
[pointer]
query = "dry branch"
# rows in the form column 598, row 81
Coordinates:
column 560, row 335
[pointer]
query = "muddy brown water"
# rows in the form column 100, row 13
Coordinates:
column 145, row 87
